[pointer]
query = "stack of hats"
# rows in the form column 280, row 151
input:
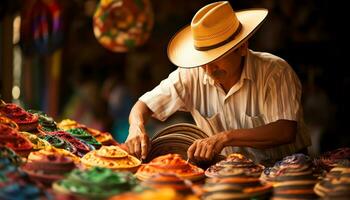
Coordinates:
column 11, row 138
column 175, row 139
column 25, row 120
column 234, row 160
column 22, row 191
column 103, row 137
column 59, row 152
column 112, row 157
column 7, row 121
column 8, row 154
column 46, row 123
column 170, row 163
column 236, row 177
column 45, row 167
column 84, row 136
column 67, row 124
column 336, row 184
column 14, row 184
column 168, row 180
column 330, row 159
column 60, row 143
column 9, row 162
column 37, row 142
column 292, row 177
column 236, row 184
column 81, row 147
column 96, row 183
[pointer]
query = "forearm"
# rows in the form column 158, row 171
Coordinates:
column 267, row 136
column 138, row 140
column 139, row 114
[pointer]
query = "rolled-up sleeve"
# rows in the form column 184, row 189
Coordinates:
column 283, row 95
column 167, row 97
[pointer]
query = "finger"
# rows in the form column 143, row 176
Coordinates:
column 191, row 150
column 197, row 152
column 209, row 153
column 130, row 147
column 149, row 144
column 218, row 148
column 144, row 146
column 137, row 149
column 203, row 151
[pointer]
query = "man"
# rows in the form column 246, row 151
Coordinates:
column 247, row 101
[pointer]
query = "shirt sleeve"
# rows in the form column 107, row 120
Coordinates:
column 283, row 94
column 168, row 97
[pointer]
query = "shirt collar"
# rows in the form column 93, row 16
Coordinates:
column 247, row 73
column 207, row 79
column 248, row 69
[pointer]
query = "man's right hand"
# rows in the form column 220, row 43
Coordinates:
column 138, row 142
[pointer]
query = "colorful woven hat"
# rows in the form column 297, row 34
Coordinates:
column 121, row 25
column 45, row 167
column 170, row 163
column 232, row 162
column 95, row 183
column 336, row 183
column 112, row 157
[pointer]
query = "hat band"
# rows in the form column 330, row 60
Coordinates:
column 234, row 34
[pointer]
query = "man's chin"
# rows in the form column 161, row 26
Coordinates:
column 217, row 79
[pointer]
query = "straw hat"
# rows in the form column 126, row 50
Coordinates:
column 177, row 138
column 215, row 29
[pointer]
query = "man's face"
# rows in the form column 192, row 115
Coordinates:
column 223, row 69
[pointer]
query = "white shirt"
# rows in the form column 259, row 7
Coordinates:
column 268, row 90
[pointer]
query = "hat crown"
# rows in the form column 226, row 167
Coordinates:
column 214, row 24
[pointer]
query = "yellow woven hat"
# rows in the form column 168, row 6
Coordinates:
column 215, row 29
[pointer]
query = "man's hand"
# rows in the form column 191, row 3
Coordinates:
column 205, row 149
column 138, row 142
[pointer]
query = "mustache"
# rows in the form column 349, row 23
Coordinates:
column 218, row 73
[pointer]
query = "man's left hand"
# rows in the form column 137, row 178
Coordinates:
column 205, row 149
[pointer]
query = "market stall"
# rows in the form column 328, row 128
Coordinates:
column 69, row 160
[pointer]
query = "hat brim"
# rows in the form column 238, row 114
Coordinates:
column 182, row 52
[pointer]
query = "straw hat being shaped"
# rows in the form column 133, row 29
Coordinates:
column 215, row 29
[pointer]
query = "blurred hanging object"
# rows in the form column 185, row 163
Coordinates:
column 41, row 28
column 122, row 25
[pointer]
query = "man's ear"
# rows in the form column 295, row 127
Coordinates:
column 243, row 49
